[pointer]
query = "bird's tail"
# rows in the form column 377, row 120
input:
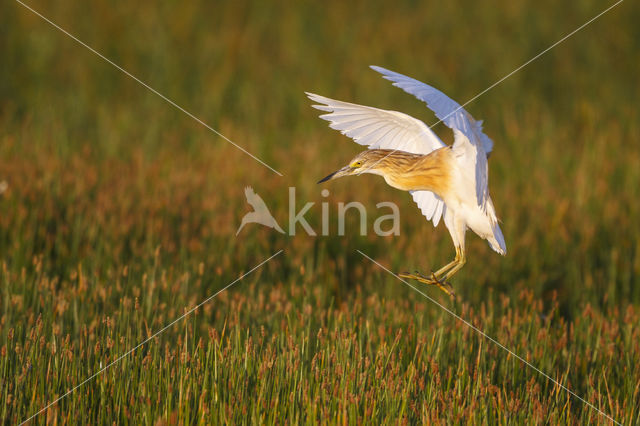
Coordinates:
column 496, row 241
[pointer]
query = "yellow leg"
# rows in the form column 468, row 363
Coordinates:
column 440, row 277
column 461, row 261
column 440, row 272
column 442, row 285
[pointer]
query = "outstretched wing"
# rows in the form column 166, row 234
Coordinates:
column 456, row 118
column 383, row 129
column 378, row 128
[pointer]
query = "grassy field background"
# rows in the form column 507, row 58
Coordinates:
column 120, row 213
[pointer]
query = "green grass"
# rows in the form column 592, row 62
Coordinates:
column 120, row 215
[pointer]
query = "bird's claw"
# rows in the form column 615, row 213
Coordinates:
column 433, row 280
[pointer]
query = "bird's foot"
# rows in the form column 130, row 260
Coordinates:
column 432, row 280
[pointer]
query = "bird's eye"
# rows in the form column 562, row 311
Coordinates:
column 357, row 164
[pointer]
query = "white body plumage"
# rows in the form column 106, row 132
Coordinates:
column 468, row 203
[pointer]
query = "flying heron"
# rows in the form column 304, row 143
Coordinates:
column 449, row 182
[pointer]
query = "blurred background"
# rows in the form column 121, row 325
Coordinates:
column 115, row 199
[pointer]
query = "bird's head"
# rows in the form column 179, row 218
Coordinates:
column 369, row 161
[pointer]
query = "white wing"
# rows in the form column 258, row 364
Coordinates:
column 430, row 205
column 455, row 117
column 382, row 129
column 378, row 128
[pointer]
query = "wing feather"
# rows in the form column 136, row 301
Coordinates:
column 383, row 129
column 455, row 117
column 431, row 206
column 377, row 128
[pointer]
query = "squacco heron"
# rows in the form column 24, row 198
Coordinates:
column 449, row 182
